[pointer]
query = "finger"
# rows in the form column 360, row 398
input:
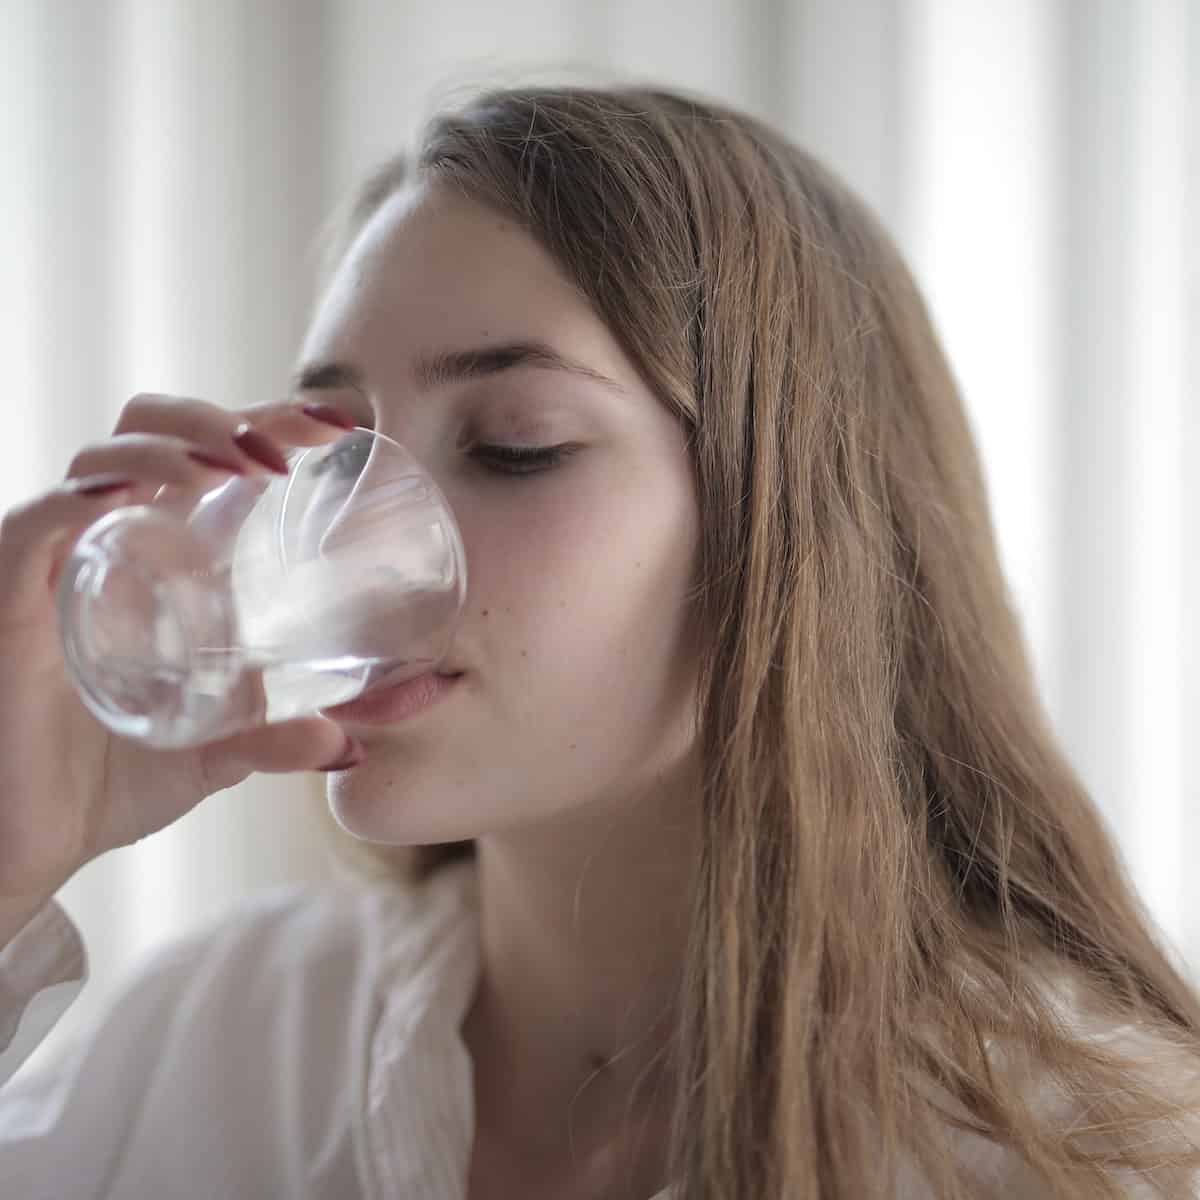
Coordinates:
column 313, row 418
column 282, row 423
column 36, row 536
column 304, row 744
column 214, row 431
column 161, row 458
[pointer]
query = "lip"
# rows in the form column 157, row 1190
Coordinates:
column 397, row 702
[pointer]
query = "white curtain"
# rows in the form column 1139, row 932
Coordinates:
column 165, row 164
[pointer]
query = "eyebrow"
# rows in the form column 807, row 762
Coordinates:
column 455, row 366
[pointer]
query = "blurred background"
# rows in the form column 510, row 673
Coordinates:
column 166, row 164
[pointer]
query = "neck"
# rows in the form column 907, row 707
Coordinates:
column 584, row 927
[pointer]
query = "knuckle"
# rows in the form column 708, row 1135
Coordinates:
column 78, row 464
column 10, row 522
column 17, row 515
column 135, row 410
column 132, row 409
column 155, row 412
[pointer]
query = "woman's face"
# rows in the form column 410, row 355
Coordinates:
column 578, row 664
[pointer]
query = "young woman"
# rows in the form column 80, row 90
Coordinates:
column 735, row 857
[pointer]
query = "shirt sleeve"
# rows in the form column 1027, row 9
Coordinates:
column 195, row 1079
column 42, row 970
column 64, row 1130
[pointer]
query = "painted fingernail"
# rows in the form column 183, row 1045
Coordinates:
column 259, row 448
column 217, row 464
column 100, row 485
column 352, row 754
column 328, row 414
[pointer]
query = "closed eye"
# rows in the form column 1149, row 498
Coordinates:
column 347, row 458
column 522, row 460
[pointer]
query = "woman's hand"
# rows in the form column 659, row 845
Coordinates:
column 69, row 789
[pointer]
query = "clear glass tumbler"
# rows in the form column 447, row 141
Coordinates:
column 263, row 598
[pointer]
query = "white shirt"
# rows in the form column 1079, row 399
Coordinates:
column 308, row 1046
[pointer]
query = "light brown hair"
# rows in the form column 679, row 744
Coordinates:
column 907, row 903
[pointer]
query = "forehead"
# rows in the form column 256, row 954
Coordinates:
column 432, row 267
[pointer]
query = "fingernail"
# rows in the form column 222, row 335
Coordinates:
column 328, row 414
column 99, row 485
column 259, row 448
column 352, row 754
column 211, row 460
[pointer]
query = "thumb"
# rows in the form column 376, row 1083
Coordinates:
column 305, row 744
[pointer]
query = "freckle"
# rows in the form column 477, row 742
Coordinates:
column 485, row 612
column 524, row 653
column 572, row 746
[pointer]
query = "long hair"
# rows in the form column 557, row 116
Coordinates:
column 906, row 900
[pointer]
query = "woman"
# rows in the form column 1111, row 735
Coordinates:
column 738, row 854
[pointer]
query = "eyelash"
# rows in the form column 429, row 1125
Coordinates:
column 503, row 460
column 522, row 460
column 346, row 459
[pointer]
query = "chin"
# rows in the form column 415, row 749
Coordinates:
column 367, row 808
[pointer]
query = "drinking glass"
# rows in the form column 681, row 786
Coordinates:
column 265, row 597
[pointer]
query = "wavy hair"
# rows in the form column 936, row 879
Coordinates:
column 907, row 904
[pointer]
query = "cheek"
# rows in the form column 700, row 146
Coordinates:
column 577, row 599
column 576, row 633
